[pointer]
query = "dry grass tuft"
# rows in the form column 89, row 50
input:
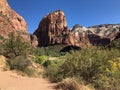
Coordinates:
column 72, row 84
column 3, row 63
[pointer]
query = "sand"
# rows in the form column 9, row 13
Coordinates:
column 12, row 81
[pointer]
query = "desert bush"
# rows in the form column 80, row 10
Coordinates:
column 88, row 65
column 51, row 72
column 18, row 63
column 2, row 51
column 43, row 61
column 72, row 84
column 22, row 64
column 46, row 63
column 31, row 71
column 1, row 37
column 40, row 59
column 68, row 84
column 49, row 63
column 53, row 51
column 14, row 46
column 115, row 44
column 109, row 76
column 52, row 69
column 39, row 51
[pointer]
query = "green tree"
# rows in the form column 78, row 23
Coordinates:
column 15, row 46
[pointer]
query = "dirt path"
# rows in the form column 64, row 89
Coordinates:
column 12, row 81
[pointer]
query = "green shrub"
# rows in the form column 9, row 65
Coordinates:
column 2, row 51
column 19, row 63
column 52, row 69
column 109, row 76
column 51, row 73
column 46, row 63
column 22, row 64
column 115, row 44
column 40, row 59
column 14, row 46
column 53, row 51
column 39, row 51
column 1, row 37
column 88, row 65
column 31, row 71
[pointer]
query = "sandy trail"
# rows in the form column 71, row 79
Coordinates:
column 12, row 81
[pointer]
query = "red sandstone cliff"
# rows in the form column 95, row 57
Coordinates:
column 52, row 29
column 10, row 21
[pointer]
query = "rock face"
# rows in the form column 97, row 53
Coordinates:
column 109, row 31
column 34, row 42
column 118, row 36
column 78, row 36
column 10, row 21
column 52, row 29
column 99, row 35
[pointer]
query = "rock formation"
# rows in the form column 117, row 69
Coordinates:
column 109, row 31
column 34, row 42
column 52, row 29
column 78, row 36
column 118, row 36
column 99, row 35
column 10, row 21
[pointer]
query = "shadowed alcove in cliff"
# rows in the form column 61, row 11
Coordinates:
column 98, row 41
column 69, row 48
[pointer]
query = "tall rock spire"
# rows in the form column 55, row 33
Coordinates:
column 52, row 29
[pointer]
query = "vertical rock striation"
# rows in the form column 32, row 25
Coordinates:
column 52, row 29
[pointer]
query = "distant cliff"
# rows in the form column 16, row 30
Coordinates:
column 53, row 30
column 98, row 35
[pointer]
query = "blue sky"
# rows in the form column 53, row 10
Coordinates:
column 83, row 12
